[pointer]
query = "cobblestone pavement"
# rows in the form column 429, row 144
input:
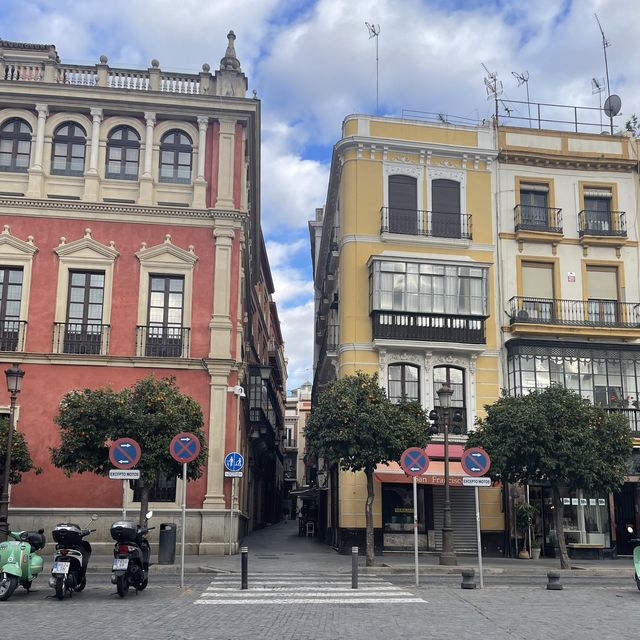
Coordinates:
column 588, row 608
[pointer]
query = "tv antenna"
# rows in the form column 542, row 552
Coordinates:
column 374, row 32
column 507, row 109
column 493, row 86
column 523, row 79
column 597, row 86
column 605, row 44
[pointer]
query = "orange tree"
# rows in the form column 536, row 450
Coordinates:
column 356, row 425
column 21, row 461
column 554, row 437
column 151, row 412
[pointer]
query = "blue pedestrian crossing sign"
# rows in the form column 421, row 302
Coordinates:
column 234, row 461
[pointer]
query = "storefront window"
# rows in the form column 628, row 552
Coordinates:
column 397, row 508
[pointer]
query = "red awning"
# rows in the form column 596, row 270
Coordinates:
column 393, row 472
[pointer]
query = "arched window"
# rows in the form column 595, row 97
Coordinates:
column 69, row 142
column 175, row 157
column 403, row 204
column 454, row 377
column 404, row 381
column 123, row 154
column 15, row 145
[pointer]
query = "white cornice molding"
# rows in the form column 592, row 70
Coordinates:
column 8, row 240
column 87, row 243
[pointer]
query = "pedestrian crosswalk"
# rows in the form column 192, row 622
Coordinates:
column 289, row 588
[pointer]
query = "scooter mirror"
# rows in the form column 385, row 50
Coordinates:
column 94, row 517
column 629, row 528
column 149, row 514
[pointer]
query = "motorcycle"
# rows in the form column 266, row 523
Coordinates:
column 636, row 555
column 19, row 562
column 130, row 555
column 69, row 571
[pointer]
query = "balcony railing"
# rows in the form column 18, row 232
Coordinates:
column 430, row 224
column 12, row 335
column 590, row 313
column 163, row 342
column 81, row 338
column 431, row 327
column 602, row 223
column 532, row 218
column 632, row 416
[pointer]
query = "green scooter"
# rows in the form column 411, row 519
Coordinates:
column 636, row 556
column 19, row 562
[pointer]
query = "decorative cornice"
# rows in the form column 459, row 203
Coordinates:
column 106, row 251
column 508, row 156
column 6, row 239
column 167, row 248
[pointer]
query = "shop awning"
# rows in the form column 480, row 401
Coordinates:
column 393, row 472
column 310, row 493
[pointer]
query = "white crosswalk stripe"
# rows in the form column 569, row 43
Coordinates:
column 287, row 588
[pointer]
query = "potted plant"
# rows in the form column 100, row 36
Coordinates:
column 525, row 514
column 536, row 546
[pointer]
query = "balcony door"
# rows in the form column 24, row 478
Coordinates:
column 597, row 208
column 83, row 330
column 602, row 287
column 166, row 301
column 454, row 377
column 10, row 300
column 537, row 292
column 403, row 201
column 445, row 209
column 534, row 206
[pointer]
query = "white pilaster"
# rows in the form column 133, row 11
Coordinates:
column 200, row 184
column 226, row 154
column 146, row 179
column 36, row 170
column 96, row 115
column 220, row 325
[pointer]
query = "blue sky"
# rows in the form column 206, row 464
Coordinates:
column 312, row 63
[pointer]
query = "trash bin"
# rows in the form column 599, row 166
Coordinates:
column 167, row 547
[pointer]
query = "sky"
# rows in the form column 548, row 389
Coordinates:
column 312, row 63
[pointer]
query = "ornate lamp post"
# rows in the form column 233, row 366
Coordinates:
column 448, row 553
column 14, row 384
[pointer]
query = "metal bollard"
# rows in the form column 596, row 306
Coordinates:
column 354, row 567
column 468, row 579
column 553, row 581
column 244, row 566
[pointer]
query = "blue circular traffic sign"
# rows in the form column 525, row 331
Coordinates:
column 414, row 461
column 475, row 461
column 234, row 461
column 185, row 447
column 125, row 453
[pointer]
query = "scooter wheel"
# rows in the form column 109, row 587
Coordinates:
column 143, row 584
column 60, row 588
column 82, row 585
column 8, row 584
column 122, row 585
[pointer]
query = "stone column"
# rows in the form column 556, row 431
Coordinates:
column 220, row 325
column 226, row 150
column 91, row 179
column 146, row 180
column 200, row 184
column 36, row 170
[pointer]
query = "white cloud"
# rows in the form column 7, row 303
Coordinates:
column 297, row 328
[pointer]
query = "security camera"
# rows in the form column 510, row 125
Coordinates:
column 239, row 391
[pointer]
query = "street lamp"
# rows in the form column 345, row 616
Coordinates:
column 14, row 384
column 448, row 553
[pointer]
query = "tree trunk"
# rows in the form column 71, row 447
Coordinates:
column 144, row 502
column 558, row 513
column 368, row 510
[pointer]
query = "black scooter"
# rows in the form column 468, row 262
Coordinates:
column 69, row 571
column 130, row 555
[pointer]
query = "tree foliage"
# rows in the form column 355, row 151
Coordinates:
column 356, row 425
column 21, row 461
column 151, row 412
column 633, row 125
column 555, row 437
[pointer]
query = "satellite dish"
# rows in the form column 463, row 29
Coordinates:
column 612, row 105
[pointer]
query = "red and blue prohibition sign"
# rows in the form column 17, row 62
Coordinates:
column 185, row 447
column 414, row 461
column 475, row 461
column 125, row 453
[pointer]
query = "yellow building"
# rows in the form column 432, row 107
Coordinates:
column 403, row 255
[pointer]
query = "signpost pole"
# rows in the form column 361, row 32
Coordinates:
column 415, row 527
column 124, row 499
column 478, row 537
column 184, row 521
column 233, row 492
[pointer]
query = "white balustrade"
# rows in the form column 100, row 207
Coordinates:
column 128, row 79
column 77, row 75
column 23, row 72
column 174, row 83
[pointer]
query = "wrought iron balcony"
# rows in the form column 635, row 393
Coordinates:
column 12, row 335
column 602, row 223
column 430, row 224
column 81, row 338
column 590, row 313
column 430, row 327
column 163, row 342
column 531, row 218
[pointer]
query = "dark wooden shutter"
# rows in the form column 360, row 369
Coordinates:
column 403, row 198
column 445, row 209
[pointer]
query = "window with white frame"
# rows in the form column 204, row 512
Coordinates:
column 403, row 381
column 428, row 288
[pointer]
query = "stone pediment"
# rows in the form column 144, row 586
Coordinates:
column 167, row 253
column 86, row 248
column 11, row 245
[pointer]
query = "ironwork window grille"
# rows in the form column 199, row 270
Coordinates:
column 69, row 146
column 176, row 149
column 15, row 146
column 403, row 381
column 162, row 490
column 123, row 154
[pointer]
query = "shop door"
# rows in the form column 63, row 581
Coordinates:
column 625, row 515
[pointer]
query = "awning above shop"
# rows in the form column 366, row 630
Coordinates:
column 393, row 472
column 309, row 493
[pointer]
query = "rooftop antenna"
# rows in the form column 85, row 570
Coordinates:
column 506, row 108
column 605, row 44
column 597, row 86
column 493, row 87
column 374, row 32
column 523, row 79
